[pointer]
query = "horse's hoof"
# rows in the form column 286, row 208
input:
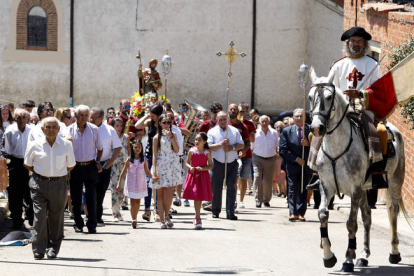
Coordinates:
column 395, row 258
column 362, row 262
column 330, row 262
column 347, row 267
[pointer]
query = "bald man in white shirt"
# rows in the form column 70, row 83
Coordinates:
column 264, row 161
column 50, row 159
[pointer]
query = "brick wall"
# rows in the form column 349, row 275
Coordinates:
column 52, row 24
column 390, row 29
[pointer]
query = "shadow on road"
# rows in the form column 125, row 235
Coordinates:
column 55, row 263
column 83, row 240
column 86, row 260
column 400, row 270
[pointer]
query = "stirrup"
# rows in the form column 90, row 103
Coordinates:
column 378, row 181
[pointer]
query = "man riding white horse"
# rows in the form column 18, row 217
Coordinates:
column 348, row 74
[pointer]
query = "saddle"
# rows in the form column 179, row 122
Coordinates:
column 376, row 169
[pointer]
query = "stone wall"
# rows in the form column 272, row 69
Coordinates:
column 108, row 35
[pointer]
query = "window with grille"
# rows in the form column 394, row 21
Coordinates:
column 37, row 27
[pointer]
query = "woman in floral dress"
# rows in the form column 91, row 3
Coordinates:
column 118, row 196
column 166, row 167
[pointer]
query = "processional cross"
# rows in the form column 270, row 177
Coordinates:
column 231, row 55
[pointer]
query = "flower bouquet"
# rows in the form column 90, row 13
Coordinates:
column 141, row 104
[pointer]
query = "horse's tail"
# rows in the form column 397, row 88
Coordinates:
column 402, row 209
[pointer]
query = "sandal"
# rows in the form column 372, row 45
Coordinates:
column 157, row 217
column 170, row 224
column 163, row 225
column 147, row 215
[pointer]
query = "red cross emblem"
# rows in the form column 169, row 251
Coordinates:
column 355, row 76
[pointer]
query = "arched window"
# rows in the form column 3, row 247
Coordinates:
column 37, row 27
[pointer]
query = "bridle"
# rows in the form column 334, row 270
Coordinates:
column 326, row 114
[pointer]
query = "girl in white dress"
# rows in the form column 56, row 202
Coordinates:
column 166, row 169
column 135, row 169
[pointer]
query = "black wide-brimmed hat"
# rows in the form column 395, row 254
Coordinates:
column 356, row 31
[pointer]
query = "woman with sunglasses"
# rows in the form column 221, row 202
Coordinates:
column 64, row 115
column 44, row 110
column 166, row 168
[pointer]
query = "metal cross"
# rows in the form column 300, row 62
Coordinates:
column 231, row 55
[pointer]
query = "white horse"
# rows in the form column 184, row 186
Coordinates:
column 342, row 164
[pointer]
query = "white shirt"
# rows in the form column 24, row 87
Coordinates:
column 180, row 139
column 37, row 131
column 265, row 144
column 216, row 135
column 110, row 141
column 343, row 74
column 15, row 142
column 50, row 161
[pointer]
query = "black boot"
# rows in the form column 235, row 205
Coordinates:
column 379, row 176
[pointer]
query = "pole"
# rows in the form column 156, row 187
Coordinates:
column 303, row 135
column 165, row 80
column 231, row 55
column 227, row 121
column 303, row 77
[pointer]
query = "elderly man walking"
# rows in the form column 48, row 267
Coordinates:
column 111, row 149
column 219, row 146
column 264, row 161
column 50, row 158
column 290, row 148
column 16, row 138
column 87, row 146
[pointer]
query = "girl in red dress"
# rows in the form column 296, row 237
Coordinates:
column 197, row 185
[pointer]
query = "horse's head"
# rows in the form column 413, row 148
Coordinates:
column 322, row 96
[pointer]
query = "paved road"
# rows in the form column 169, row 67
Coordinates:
column 261, row 242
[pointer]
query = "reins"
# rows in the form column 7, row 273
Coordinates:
column 334, row 160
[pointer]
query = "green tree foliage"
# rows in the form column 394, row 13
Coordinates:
column 398, row 54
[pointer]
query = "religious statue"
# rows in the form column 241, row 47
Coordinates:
column 150, row 78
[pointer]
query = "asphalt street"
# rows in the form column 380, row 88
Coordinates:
column 261, row 242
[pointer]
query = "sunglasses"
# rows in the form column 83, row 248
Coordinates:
column 111, row 112
column 184, row 109
column 69, row 118
column 166, row 123
column 48, row 110
column 126, row 107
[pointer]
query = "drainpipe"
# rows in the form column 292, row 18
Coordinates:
column 253, row 57
column 356, row 12
column 72, row 11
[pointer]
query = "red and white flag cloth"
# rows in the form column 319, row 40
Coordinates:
column 395, row 87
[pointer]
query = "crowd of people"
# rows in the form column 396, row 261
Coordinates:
column 67, row 158
column 70, row 156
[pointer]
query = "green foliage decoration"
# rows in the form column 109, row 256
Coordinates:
column 397, row 55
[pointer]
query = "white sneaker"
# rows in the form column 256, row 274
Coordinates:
column 240, row 205
column 120, row 218
column 115, row 219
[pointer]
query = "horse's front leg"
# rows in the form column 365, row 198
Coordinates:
column 352, row 226
column 329, row 259
column 366, row 218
